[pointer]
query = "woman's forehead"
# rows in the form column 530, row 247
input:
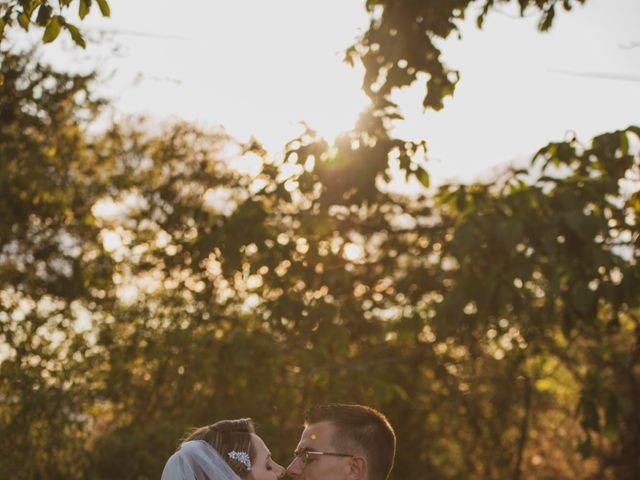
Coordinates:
column 259, row 445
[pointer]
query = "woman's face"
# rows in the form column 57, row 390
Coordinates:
column 264, row 468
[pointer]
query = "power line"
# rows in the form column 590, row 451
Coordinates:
column 630, row 45
column 600, row 75
column 137, row 33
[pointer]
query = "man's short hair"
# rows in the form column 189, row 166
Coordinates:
column 362, row 427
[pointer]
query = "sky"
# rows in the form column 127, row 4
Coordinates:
column 259, row 68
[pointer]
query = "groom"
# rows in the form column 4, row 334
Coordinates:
column 344, row 442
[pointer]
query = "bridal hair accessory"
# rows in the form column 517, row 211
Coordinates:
column 242, row 457
column 197, row 459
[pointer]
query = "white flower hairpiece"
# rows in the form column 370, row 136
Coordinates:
column 242, row 457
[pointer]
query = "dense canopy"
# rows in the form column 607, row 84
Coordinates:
column 146, row 286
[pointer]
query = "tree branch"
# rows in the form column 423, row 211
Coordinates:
column 524, row 428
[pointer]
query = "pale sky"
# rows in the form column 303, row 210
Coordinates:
column 260, row 67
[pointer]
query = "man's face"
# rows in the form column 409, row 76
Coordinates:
column 318, row 437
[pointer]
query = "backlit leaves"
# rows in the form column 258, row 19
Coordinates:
column 75, row 35
column 404, row 40
column 22, row 12
column 104, row 8
column 23, row 20
column 52, row 31
column 83, row 8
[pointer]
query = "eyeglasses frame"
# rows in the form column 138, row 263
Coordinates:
column 302, row 456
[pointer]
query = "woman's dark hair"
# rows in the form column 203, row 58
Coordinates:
column 229, row 436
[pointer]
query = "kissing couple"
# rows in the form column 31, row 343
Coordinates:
column 339, row 442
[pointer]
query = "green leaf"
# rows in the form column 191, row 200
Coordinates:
column 634, row 129
column 83, row 10
column 52, row 31
column 104, row 8
column 44, row 15
column 2, row 25
column 624, row 142
column 76, row 35
column 400, row 392
column 485, row 10
column 423, row 177
column 547, row 19
column 28, row 8
column 23, row 20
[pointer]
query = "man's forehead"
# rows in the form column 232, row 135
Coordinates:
column 317, row 435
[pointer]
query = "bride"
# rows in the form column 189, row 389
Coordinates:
column 226, row 450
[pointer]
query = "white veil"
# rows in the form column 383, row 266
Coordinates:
column 197, row 460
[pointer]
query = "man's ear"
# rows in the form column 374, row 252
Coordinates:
column 358, row 468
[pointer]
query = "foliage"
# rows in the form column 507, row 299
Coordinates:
column 403, row 36
column 537, row 268
column 147, row 287
column 48, row 182
column 402, row 46
column 44, row 14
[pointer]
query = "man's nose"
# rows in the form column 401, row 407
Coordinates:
column 295, row 468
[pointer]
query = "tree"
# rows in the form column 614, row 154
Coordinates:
column 203, row 294
column 48, row 185
column 534, row 270
column 401, row 43
column 400, row 47
column 147, row 287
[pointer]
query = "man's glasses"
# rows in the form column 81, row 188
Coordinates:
column 306, row 456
